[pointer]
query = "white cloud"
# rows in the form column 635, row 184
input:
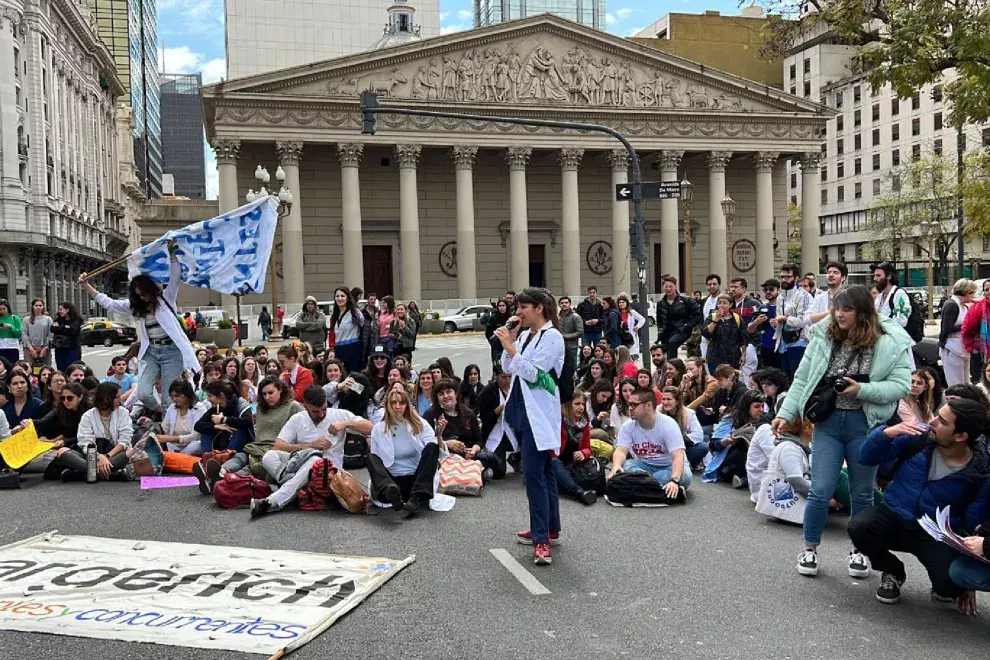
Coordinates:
column 213, row 70
column 460, row 27
column 632, row 32
column 623, row 13
column 465, row 14
column 184, row 60
column 212, row 176
column 610, row 18
column 444, row 15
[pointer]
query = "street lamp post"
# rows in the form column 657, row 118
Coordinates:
column 729, row 211
column 928, row 228
column 687, row 200
column 284, row 207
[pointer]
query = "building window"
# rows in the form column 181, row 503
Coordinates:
column 824, row 173
column 916, row 126
column 840, row 170
column 938, row 121
column 857, row 94
column 915, row 152
column 876, row 112
column 857, row 118
column 895, row 132
column 838, row 99
column 840, row 194
column 794, row 199
column 857, row 142
column 876, row 187
column 858, row 190
column 807, row 88
column 895, row 157
column 876, row 137
column 793, row 179
column 876, row 162
column 839, row 124
column 824, row 195
column 793, row 90
column 839, row 147
column 916, row 101
column 937, row 93
column 895, row 107
column 793, row 71
column 807, row 67
column 858, row 166
column 937, row 146
column 895, row 183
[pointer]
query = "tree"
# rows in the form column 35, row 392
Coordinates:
column 906, row 43
column 793, row 233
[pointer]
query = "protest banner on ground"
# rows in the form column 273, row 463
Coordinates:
column 24, row 446
column 178, row 594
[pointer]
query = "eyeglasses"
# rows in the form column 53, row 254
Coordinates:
column 636, row 404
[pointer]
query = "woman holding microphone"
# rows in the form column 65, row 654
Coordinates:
column 533, row 353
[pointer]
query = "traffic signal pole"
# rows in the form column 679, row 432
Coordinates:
column 370, row 107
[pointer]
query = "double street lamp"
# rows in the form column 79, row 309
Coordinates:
column 729, row 211
column 686, row 201
column 284, row 207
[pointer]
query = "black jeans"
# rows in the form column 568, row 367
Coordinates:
column 492, row 460
column 418, row 485
column 769, row 357
column 734, row 463
column 878, row 530
column 674, row 342
column 75, row 461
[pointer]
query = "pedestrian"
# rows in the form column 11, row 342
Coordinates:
column 792, row 320
column 312, row 325
column 10, row 333
column 345, row 325
column 534, row 351
column 955, row 357
column 280, row 315
column 677, row 316
column 65, row 335
column 868, row 353
column 37, row 335
column 571, row 327
column 165, row 348
column 592, row 314
column 726, row 335
column 415, row 314
column 611, row 321
column 384, row 320
column 632, row 321
column 265, row 323
column 498, row 317
column 403, row 332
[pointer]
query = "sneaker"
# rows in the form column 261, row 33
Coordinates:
column 889, row 591
column 394, row 497
column 588, row 497
column 260, row 507
column 738, row 483
column 515, row 461
column 213, row 471
column 859, row 565
column 808, row 563
column 66, row 476
column 412, row 508
column 205, row 486
column 526, row 538
column 939, row 598
column 487, row 475
column 541, row 554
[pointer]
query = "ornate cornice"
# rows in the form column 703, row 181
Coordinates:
column 811, row 161
column 289, row 153
column 12, row 14
column 85, row 29
column 718, row 160
column 463, row 157
column 349, row 153
column 670, row 160
column 517, row 157
column 765, row 160
column 570, row 159
column 407, row 155
column 226, row 151
column 619, row 160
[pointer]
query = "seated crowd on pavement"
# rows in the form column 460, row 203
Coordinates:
column 811, row 402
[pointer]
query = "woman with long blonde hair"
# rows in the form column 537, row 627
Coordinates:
column 404, row 455
column 869, row 354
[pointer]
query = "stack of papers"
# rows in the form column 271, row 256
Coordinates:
column 940, row 530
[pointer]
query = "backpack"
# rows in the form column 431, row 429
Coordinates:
column 355, row 451
column 635, row 489
column 317, row 495
column 589, row 474
column 916, row 323
column 236, row 490
column 564, row 381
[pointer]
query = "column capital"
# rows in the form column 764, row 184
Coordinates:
column 569, row 159
column 407, row 155
column 765, row 160
column 811, row 161
column 349, row 153
column 517, row 157
column 718, row 160
column 226, row 150
column 463, row 157
column 11, row 14
column 619, row 160
column 670, row 160
column 289, row 153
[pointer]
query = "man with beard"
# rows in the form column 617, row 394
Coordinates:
column 893, row 301
column 836, row 273
column 677, row 316
column 713, row 283
column 791, row 320
column 761, row 325
column 658, row 353
column 571, row 327
column 748, row 308
column 593, row 314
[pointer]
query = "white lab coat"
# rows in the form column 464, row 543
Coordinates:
column 165, row 317
column 381, row 445
column 542, row 408
column 634, row 321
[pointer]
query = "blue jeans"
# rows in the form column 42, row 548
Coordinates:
column 695, row 454
column 541, row 485
column 66, row 356
column 837, row 439
column 565, row 482
column 970, row 574
column 591, row 338
column 163, row 362
column 662, row 475
column 791, row 358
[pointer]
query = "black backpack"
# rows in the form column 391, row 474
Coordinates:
column 565, row 380
column 916, row 322
column 628, row 488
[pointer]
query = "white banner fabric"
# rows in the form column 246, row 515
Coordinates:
column 178, row 594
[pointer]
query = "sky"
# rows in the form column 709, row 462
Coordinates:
column 191, row 35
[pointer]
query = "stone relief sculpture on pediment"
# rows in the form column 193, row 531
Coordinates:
column 538, row 72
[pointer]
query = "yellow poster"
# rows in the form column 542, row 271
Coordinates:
column 19, row 449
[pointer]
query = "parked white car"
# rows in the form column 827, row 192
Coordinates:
column 463, row 319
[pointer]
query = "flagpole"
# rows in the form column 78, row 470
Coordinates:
column 104, row 268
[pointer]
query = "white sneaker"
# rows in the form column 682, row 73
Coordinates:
column 808, row 563
column 859, row 565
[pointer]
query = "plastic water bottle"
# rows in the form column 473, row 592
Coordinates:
column 91, row 465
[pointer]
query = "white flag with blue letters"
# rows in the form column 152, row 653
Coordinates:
column 228, row 254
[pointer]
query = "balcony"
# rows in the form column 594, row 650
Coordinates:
column 22, row 151
column 117, row 243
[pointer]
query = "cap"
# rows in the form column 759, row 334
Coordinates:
column 885, row 266
column 379, row 350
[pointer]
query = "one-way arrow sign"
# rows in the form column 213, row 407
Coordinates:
column 651, row 190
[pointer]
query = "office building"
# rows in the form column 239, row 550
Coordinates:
column 265, row 35
column 183, row 154
column 587, row 12
column 129, row 28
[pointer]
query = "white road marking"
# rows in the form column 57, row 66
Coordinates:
column 533, row 585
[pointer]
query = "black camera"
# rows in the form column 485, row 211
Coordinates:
column 764, row 311
column 840, row 384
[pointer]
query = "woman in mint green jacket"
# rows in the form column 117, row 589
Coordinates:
column 10, row 333
column 870, row 354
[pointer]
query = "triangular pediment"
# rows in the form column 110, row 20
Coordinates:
column 539, row 61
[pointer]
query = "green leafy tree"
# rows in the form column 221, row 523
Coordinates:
column 793, row 233
column 906, row 43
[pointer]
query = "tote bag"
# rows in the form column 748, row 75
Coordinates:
column 777, row 498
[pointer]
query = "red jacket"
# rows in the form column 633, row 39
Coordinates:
column 972, row 325
column 584, row 445
column 304, row 379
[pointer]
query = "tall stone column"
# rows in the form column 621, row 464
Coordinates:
column 619, row 160
column 293, row 264
column 467, row 251
column 407, row 156
column 349, row 154
column 717, row 235
column 517, row 158
column 810, row 163
column 570, row 160
column 764, row 162
column 227, row 151
column 670, row 256
column 10, row 185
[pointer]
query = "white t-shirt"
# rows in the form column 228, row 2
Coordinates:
column 654, row 445
column 300, row 430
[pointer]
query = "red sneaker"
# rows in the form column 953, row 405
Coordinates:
column 526, row 538
column 541, row 554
